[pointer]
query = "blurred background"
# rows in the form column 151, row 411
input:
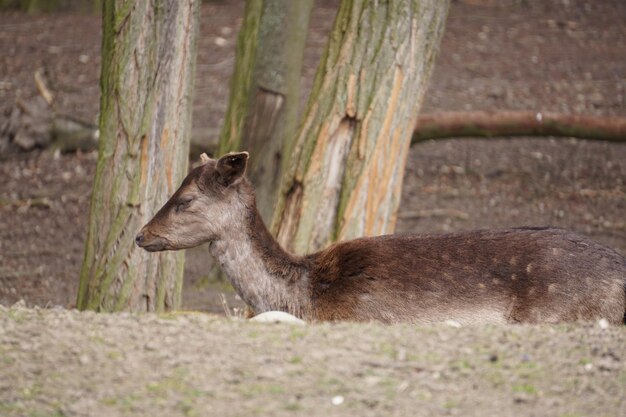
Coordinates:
column 565, row 56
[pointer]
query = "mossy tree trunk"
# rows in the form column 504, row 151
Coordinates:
column 45, row 6
column 345, row 176
column 263, row 109
column 148, row 55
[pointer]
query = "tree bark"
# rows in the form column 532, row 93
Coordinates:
column 263, row 108
column 148, row 55
column 345, row 176
column 517, row 123
column 47, row 6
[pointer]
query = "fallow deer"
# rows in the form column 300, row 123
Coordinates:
column 527, row 275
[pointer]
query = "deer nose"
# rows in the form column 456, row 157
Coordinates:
column 139, row 238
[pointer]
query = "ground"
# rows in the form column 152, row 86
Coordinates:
column 63, row 363
column 543, row 55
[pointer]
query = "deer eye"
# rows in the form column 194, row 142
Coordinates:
column 183, row 204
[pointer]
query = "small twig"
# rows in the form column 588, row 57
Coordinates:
column 43, row 202
column 40, row 82
column 225, row 306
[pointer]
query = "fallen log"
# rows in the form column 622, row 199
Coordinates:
column 486, row 124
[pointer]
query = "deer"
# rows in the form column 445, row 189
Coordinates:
column 517, row 275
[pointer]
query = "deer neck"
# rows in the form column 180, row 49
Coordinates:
column 264, row 275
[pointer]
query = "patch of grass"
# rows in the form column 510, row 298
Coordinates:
column 330, row 381
column 176, row 385
column 496, row 377
column 275, row 389
column 173, row 315
column 175, row 382
column 32, row 392
column 388, row 350
column 525, row 388
column 109, row 401
column 423, row 395
column 114, row 354
column 125, row 402
column 261, row 390
column 187, row 407
column 97, row 339
column 571, row 384
column 17, row 315
column 293, row 406
column 296, row 334
column 562, row 327
column 428, row 357
column 530, row 370
column 5, row 359
column 450, row 404
column 10, row 407
column 390, row 386
column 53, row 413
column 295, row 359
column 462, row 364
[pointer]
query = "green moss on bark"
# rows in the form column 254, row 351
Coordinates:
column 144, row 138
column 353, row 142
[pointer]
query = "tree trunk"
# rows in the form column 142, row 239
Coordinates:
column 46, row 6
column 263, row 109
column 148, row 55
column 345, row 176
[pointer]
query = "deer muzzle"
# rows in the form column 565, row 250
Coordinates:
column 150, row 242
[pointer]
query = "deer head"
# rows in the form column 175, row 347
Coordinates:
column 212, row 197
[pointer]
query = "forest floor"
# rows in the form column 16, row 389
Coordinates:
column 543, row 55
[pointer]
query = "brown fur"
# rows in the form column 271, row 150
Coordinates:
column 528, row 275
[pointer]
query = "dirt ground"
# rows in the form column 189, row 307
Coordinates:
column 64, row 363
column 544, row 55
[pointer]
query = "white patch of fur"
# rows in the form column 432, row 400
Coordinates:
column 495, row 313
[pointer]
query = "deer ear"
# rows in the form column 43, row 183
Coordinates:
column 232, row 167
column 204, row 158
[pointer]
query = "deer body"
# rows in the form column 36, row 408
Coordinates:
column 517, row 275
